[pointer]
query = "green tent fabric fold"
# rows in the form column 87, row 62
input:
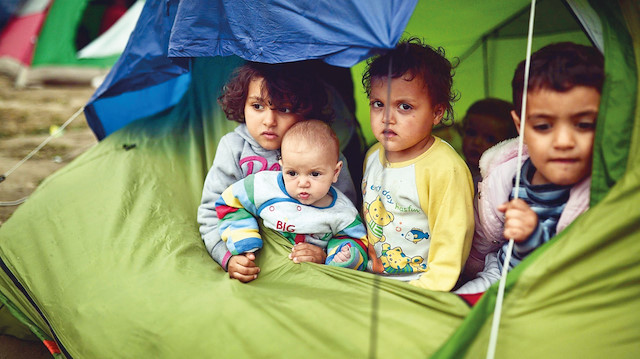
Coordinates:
column 125, row 264
column 618, row 105
column 575, row 297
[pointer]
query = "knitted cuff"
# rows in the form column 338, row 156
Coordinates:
column 353, row 261
column 225, row 260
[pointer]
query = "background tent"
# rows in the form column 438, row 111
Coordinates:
column 40, row 42
column 105, row 258
column 114, row 38
column 7, row 9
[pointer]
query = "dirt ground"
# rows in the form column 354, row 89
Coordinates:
column 26, row 119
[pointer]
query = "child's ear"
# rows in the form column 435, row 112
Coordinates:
column 280, row 162
column 516, row 120
column 438, row 113
column 337, row 171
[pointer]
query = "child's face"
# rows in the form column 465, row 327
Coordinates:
column 266, row 124
column 309, row 173
column 559, row 133
column 480, row 133
column 406, row 134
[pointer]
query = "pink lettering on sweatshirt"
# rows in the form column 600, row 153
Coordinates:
column 255, row 164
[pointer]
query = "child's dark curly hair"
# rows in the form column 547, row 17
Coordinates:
column 559, row 67
column 287, row 85
column 411, row 57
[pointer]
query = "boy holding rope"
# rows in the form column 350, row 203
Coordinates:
column 565, row 83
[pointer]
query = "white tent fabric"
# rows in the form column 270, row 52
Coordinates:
column 114, row 40
column 33, row 7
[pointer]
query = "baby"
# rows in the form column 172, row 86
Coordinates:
column 299, row 202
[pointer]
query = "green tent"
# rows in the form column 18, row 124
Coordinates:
column 105, row 258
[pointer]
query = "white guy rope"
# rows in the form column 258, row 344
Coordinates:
column 44, row 143
column 17, row 202
column 495, row 325
column 32, row 153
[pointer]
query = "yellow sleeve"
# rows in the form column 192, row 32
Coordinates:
column 370, row 151
column 446, row 196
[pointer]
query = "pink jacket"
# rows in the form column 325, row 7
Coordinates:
column 498, row 167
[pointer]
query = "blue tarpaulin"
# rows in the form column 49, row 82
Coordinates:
column 266, row 31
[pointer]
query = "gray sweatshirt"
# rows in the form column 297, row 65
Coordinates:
column 239, row 155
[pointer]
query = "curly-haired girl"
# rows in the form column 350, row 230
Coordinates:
column 266, row 99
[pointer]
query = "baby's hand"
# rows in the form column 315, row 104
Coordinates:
column 519, row 220
column 243, row 267
column 344, row 254
column 307, row 252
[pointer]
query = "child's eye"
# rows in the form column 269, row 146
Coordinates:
column 542, row 127
column 292, row 173
column 376, row 104
column 285, row 110
column 586, row 125
column 257, row 106
column 405, row 107
column 315, row 174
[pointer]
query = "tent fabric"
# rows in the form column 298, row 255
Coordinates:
column 611, row 146
column 170, row 30
column 285, row 31
column 114, row 40
column 17, row 38
column 589, row 20
column 143, row 69
column 7, row 10
column 56, row 40
column 54, row 25
column 39, row 44
column 28, row 7
column 105, row 257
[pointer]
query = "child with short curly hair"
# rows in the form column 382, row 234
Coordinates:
column 417, row 191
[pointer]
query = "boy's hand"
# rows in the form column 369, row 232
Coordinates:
column 307, row 252
column 243, row 267
column 519, row 220
column 344, row 254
